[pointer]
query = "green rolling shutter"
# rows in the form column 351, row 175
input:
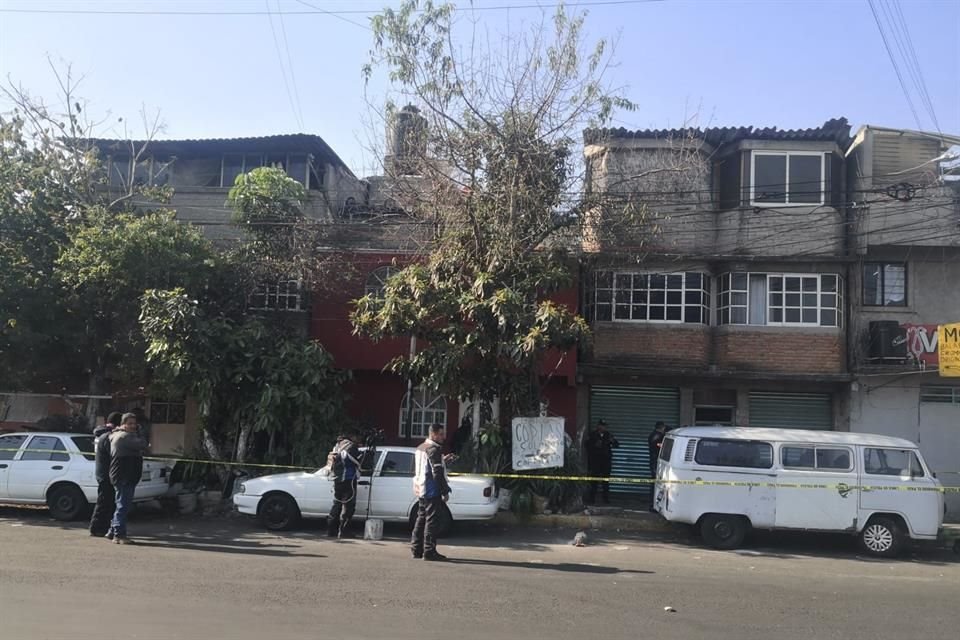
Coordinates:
column 630, row 413
column 791, row 410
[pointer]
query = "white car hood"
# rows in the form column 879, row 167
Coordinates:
column 282, row 481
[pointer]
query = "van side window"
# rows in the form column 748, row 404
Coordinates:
column 797, row 457
column 735, row 453
column 892, row 462
column 666, row 449
column 833, row 459
column 820, row 458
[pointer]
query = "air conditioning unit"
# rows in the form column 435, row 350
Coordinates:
column 888, row 342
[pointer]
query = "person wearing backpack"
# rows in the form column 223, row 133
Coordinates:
column 344, row 463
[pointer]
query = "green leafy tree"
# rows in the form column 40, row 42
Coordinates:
column 112, row 259
column 506, row 191
column 247, row 376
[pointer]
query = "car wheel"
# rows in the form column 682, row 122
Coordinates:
column 445, row 526
column 722, row 531
column 882, row 537
column 66, row 502
column 278, row 512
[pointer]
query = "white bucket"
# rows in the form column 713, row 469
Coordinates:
column 373, row 529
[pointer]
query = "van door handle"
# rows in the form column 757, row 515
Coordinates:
column 3, row 466
column 364, row 482
column 57, row 467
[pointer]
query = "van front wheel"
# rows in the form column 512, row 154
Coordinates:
column 722, row 531
column 882, row 537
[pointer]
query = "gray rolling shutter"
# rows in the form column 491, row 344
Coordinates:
column 630, row 413
column 791, row 410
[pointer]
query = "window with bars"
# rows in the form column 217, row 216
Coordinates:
column 780, row 299
column 651, row 297
column 944, row 394
column 285, row 295
column 296, row 165
column 377, row 280
column 168, row 411
column 884, row 284
column 429, row 407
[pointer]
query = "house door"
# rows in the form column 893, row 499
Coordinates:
column 630, row 413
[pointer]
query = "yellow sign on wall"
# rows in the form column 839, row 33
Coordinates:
column 948, row 338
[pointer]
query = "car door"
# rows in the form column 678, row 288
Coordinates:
column 9, row 448
column 830, row 507
column 888, row 476
column 41, row 462
column 393, row 487
column 369, row 464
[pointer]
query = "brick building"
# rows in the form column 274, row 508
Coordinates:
column 721, row 298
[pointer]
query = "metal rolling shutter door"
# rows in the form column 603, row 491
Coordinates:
column 791, row 410
column 630, row 413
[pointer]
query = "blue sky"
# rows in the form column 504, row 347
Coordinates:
column 789, row 64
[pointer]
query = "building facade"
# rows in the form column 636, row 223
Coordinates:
column 720, row 298
column 904, row 283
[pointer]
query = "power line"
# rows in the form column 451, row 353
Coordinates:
column 893, row 61
column 283, row 71
column 330, row 13
column 922, row 86
column 293, row 75
column 316, row 10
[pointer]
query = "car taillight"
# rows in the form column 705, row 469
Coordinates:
column 487, row 492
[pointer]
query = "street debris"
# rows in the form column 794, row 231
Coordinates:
column 669, row 609
column 580, row 539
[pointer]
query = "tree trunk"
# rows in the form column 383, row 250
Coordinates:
column 243, row 441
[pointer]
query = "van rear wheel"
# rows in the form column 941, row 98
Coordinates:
column 882, row 537
column 722, row 531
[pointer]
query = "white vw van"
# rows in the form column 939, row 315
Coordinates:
column 876, row 487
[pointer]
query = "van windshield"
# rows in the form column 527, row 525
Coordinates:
column 666, row 449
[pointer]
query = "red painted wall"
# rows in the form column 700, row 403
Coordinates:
column 375, row 395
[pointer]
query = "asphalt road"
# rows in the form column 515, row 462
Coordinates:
column 224, row 578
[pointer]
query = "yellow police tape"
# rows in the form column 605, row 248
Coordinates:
column 839, row 486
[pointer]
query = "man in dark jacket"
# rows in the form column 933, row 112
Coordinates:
column 346, row 470
column 103, row 510
column 654, row 442
column 432, row 490
column 126, row 467
column 600, row 445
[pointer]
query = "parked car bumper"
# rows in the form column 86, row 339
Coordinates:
column 148, row 491
column 246, row 504
column 484, row 511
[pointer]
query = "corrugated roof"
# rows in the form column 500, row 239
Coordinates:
column 834, row 130
column 290, row 142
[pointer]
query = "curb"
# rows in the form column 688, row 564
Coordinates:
column 640, row 522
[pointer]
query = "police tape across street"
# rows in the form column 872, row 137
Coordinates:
column 564, row 478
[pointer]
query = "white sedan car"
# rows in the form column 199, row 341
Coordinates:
column 57, row 469
column 281, row 500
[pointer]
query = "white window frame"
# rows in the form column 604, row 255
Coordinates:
column 770, row 323
column 376, row 282
column 272, row 290
column 704, row 290
column 431, row 407
column 787, row 155
column 308, row 158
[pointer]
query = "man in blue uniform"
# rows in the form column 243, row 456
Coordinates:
column 432, row 490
